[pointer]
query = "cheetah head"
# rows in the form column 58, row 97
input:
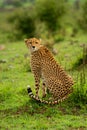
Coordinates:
column 33, row 44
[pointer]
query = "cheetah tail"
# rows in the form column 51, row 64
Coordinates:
column 43, row 101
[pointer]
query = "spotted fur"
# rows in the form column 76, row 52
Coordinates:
column 44, row 67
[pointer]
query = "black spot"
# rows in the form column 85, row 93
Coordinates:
column 43, row 83
column 46, row 50
column 36, row 84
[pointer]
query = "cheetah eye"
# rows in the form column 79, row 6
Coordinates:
column 36, row 42
column 30, row 42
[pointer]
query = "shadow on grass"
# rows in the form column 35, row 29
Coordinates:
column 32, row 107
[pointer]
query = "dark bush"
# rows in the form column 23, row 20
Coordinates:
column 17, row 3
column 24, row 24
column 82, row 61
column 50, row 12
column 14, row 3
column 82, row 20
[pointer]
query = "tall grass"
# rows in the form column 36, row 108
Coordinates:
column 80, row 88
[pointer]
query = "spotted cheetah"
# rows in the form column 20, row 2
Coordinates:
column 53, row 76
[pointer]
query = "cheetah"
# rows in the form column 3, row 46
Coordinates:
column 44, row 66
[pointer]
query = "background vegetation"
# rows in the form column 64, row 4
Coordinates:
column 62, row 26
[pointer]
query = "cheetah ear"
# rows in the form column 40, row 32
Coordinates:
column 25, row 40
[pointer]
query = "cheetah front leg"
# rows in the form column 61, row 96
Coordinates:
column 43, row 90
column 37, row 83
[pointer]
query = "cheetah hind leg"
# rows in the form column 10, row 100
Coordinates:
column 44, row 93
column 31, row 95
column 40, row 100
column 45, row 90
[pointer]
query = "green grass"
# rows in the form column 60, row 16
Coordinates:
column 18, row 111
